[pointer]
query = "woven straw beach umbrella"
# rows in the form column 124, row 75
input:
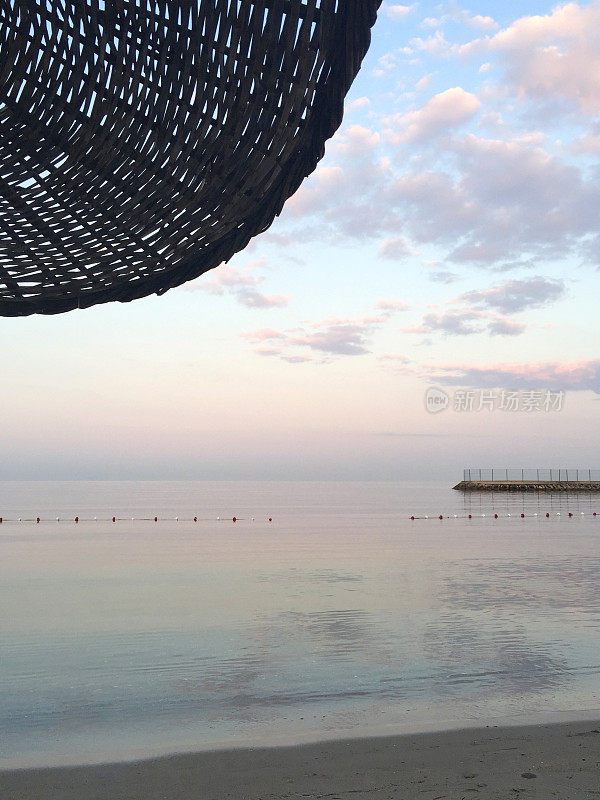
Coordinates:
column 144, row 142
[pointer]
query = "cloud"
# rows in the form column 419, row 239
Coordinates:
column 347, row 199
column 506, row 200
column 448, row 109
column 466, row 321
column 338, row 338
column 242, row 284
column 360, row 102
column 462, row 322
column 423, row 83
column 297, row 359
column 443, row 276
column 321, row 189
column 356, row 141
column 344, row 338
column 517, row 295
column 386, row 63
column 253, row 299
column 484, row 23
column 552, row 56
column 506, row 327
column 500, row 201
column 398, row 12
column 395, row 249
column 485, row 309
column 264, row 335
column 392, row 306
column 588, row 143
column 227, row 277
column 456, row 14
column 554, row 375
column 334, row 336
column 490, row 202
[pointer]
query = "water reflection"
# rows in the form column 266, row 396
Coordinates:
column 340, row 610
column 523, row 502
column 504, row 658
column 538, row 587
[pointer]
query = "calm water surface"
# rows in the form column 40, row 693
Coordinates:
column 341, row 617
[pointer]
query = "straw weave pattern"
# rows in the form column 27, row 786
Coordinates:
column 143, row 142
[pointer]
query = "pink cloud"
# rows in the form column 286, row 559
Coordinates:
column 391, row 306
column 581, row 375
column 395, row 248
column 556, row 55
column 516, row 295
column 466, row 321
column 356, row 141
column 263, row 335
column 334, row 336
column 242, row 284
column 445, row 110
column 253, row 299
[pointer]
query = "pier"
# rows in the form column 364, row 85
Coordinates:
column 529, row 480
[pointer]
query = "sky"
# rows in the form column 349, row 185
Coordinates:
column 427, row 300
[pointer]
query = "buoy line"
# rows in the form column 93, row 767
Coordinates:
column 517, row 515
column 116, row 519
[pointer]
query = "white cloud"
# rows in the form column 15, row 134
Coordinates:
column 423, row 83
column 445, row 110
column 398, row 12
column 386, row 63
column 552, row 56
column 360, row 102
column 435, row 45
column 356, row 141
column 457, row 14
column 396, row 249
column 484, row 23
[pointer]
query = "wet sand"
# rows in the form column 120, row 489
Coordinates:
column 545, row 761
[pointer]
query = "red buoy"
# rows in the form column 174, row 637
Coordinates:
column 270, row 519
column 495, row 516
column 469, row 516
column 114, row 519
column 570, row 514
column 441, row 517
column 411, row 518
column 1, row 517
column 37, row 519
column 155, row 519
column 76, row 519
column 235, row 519
column 195, row 519
column 522, row 515
column 547, row 514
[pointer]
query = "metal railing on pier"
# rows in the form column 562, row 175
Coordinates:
column 560, row 475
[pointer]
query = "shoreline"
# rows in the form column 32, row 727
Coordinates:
column 559, row 760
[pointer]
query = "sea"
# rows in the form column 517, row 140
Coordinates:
column 324, row 611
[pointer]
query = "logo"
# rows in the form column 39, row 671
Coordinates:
column 436, row 400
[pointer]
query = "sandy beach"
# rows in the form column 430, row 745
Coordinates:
column 545, row 761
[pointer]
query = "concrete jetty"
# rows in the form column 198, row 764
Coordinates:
column 527, row 486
